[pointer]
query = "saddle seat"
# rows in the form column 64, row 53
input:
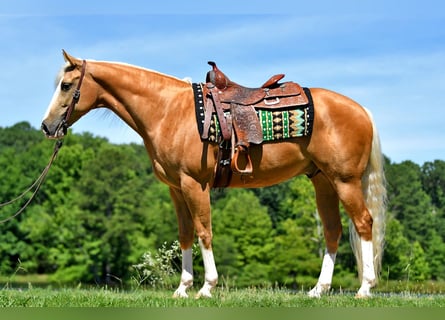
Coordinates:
column 241, row 126
column 270, row 95
column 232, row 92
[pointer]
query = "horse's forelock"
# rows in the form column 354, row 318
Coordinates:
column 60, row 73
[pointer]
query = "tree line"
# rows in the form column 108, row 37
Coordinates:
column 101, row 208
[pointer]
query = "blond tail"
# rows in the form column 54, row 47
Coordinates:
column 374, row 190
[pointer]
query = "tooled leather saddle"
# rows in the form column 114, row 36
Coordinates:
column 235, row 107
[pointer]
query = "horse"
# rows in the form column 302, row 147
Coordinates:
column 342, row 158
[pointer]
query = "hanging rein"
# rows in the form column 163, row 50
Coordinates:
column 38, row 182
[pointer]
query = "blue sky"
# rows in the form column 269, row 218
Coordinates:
column 388, row 56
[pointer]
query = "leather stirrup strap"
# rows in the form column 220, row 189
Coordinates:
column 223, row 170
column 220, row 113
column 209, row 108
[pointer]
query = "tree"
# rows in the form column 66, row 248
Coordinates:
column 435, row 255
column 23, row 156
column 53, row 224
column 243, row 238
column 396, row 255
column 111, row 195
column 299, row 205
column 408, row 202
column 403, row 260
column 433, row 181
column 418, row 268
column 100, row 208
column 293, row 258
column 272, row 198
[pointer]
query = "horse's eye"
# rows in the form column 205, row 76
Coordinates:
column 65, row 86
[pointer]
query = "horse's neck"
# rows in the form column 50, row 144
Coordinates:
column 140, row 97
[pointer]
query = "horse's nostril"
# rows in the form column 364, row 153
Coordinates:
column 45, row 129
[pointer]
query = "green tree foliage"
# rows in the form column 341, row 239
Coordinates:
column 396, row 254
column 293, row 259
column 433, row 181
column 414, row 200
column 435, row 252
column 299, row 205
column 101, row 209
column 272, row 198
column 24, row 154
column 242, row 237
column 408, row 202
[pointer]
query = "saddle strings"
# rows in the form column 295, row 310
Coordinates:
column 37, row 183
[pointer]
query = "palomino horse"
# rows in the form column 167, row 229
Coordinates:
column 342, row 158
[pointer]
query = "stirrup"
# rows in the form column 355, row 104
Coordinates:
column 248, row 169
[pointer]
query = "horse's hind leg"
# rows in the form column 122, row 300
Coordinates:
column 351, row 196
column 328, row 209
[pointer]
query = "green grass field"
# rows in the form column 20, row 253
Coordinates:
column 38, row 297
column 231, row 304
column 37, row 291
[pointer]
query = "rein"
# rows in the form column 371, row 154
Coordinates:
column 38, row 182
column 35, row 185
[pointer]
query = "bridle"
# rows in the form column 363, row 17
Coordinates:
column 64, row 126
column 76, row 96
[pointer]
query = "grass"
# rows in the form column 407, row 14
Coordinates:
column 35, row 291
column 253, row 297
column 232, row 304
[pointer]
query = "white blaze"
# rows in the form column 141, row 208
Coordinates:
column 53, row 100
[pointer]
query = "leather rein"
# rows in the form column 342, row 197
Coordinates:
column 38, row 182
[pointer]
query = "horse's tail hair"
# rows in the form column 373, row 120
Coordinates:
column 374, row 190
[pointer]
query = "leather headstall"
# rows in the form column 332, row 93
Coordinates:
column 76, row 97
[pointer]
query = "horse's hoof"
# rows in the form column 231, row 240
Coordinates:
column 180, row 294
column 363, row 294
column 203, row 293
column 318, row 290
column 314, row 293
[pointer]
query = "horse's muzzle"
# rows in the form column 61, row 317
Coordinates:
column 56, row 131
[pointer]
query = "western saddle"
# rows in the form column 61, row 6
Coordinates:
column 235, row 107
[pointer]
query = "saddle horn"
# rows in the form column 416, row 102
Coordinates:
column 217, row 77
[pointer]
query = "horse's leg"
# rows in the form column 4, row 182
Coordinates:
column 328, row 209
column 351, row 196
column 197, row 200
column 186, row 237
column 211, row 275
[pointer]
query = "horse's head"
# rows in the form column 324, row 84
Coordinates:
column 74, row 97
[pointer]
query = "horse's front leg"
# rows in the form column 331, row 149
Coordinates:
column 186, row 274
column 211, row 275
column 186, row 237
column 192, row 204
column 198, row 203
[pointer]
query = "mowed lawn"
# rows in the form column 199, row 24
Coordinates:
column 103, row 297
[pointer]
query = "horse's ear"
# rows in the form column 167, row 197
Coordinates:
column 68, row 58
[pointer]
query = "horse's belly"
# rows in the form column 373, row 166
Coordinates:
column 273, row 163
